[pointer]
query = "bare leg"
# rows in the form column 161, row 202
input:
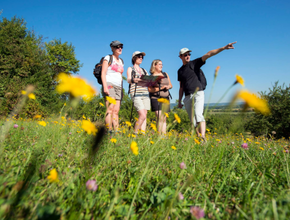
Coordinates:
column 142, row 117
column 109, row 113
column 116, row 115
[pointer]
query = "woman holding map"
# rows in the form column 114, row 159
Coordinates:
column 139, row 94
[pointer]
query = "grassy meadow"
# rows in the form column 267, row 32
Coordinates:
column 175, row 176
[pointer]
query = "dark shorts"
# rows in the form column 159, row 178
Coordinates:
column 155, row 106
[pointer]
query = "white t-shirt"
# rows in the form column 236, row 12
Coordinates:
column 114, row 72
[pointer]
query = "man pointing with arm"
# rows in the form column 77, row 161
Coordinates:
column 193, row 83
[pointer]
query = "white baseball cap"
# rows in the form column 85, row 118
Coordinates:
column 138, row 52
column 183, row 51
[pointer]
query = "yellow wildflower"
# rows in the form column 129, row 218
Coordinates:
column 153, row 126
column 177, row 118
column 163, row 100
column 37, row 116
column 53, row 176
column 89, row 127
column 240, row 80
column 101, row 104
column 174, row 148
column 261, row 148
column 31, row 96
column 216, row 71
column 134, row 148
column 133, row 135
column 253, row 101
column 128, row 123
column 84, row 117
column 166, row 114
column 114, row 140
column 196, row 141
column 152, row 142
column 42, row 123
column 76, row 86
column 111, row 100
column 23, row 92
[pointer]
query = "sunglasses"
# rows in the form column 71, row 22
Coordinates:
column 140, row 56
column 185, row 55
column 119, row 46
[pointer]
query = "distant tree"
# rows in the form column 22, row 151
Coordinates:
column 23, row 61
column 62, row 57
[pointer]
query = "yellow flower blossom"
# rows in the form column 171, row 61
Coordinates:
column 23, row 92
column 53, row 176
column 174, row 148
column 177, row 118
column 84, row 117
column 163, row 100
column 240, row 80
column 114, row 140
column 133, row 135
column 152, row 142
column 42, row 123
column 153, row 126
column 89, row 127
column 76, row 86
column 196, row 141
column 111, row 100
column 134, row 148
column 37, row 116
column 216, row 71
column 166, row 114
column 261, row 148
column 253, row 101
column 31, row 96
column 101, row 104
column 128, row 123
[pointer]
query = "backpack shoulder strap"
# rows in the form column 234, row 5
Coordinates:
column 111, row 60
column 144, row 71
column 122, row 60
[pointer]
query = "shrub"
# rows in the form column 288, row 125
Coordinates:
column 278, row 122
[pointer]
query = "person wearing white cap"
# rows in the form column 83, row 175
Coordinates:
column 139, row 94
column 112, row 84
column 193, row 83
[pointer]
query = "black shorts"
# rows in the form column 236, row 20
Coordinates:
column 155, row 104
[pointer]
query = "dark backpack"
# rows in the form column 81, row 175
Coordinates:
column 98, row 68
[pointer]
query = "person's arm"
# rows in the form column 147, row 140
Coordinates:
column 180, row 95
column 129, row 75
column 103, row 76
column 169, row 86
column 216, row 51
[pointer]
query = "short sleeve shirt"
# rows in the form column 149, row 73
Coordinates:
column 191, row 76
column 114, row 72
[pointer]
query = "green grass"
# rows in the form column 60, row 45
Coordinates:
column 225, row 180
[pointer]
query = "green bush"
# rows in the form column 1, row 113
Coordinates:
column 277, row 123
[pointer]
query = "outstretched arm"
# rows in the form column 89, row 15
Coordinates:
column 216, row 51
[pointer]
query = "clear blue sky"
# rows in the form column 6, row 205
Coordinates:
column 162, row 28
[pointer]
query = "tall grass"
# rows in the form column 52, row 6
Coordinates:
column 223, row 179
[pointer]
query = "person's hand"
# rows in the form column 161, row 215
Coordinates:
column 106, row 91
column 230, row 46
column 180, row 105
column 165, row 87
column 136, row 80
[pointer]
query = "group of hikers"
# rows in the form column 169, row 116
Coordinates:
column 192, row 84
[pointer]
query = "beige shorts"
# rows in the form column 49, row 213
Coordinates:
column 114, row 91
column 198, row 107
column 141, row 101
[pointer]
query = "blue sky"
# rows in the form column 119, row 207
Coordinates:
column 162, row 28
